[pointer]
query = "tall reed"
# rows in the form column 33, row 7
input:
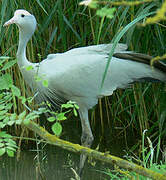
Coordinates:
column 63, row 25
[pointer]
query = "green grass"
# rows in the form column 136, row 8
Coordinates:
column 63, row 25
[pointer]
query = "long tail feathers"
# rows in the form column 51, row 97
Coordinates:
column 141, row 58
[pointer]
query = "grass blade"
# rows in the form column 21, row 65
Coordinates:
column 117, row 39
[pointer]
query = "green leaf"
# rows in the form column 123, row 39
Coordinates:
column 13, row 117
column 23, row 99
column 76, row 106
column 75, row 112
column 67, row 105
column 11, row 148
column 2, row 151
column 10, row 123
column 18, row 121
column 8, row 106
column 15, row 91
column 2, row 106
column 106, row 12
column 2, row 117
column 11, row 143
column 2, row 125
column 22, row 115
column 43, row 110
column 4, row 57
column 5, row 121
column 3, row 112
column 30, row 99
column 51, row 119
column 9, row 64
column 31, row 116
column 4, row 135
column 5, row 81
column 8, row 97
column 26, row 121
column 10, row 153
column 38, row 78
column 93, row 4
column 57, row 128
column 28, row 68
column 61, row 117
column 1, row 145
column 45, row 83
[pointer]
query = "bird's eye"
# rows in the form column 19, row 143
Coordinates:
column 22, row 15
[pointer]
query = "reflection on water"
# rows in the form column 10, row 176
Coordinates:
column 55, row 163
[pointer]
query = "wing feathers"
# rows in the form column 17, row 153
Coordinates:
column 142, row 58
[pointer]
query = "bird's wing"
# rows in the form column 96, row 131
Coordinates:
column 53, row 56
column 102, row 49
column 99, row 49
column 94, row 49
column 78, row 77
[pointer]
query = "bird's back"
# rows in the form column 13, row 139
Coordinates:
column 78, row 77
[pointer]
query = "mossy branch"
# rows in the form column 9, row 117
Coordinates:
column 123, row 3
column 113, row 3
column 157, row 58
column 104, row 157
column 160, row 15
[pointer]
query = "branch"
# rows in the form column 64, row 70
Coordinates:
column 113, row 3
column 52, row 139
column 160, row 15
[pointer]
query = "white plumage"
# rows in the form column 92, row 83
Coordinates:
column 77, row 74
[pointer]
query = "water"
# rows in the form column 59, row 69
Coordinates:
column 56, row 163
column 56, row 166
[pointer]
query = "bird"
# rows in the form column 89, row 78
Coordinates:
column 77, row 74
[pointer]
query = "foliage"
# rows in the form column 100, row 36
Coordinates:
column 61, row 116
column 7, row 144
column 106, row 12
column 7, row 118
column 148, row 161
column 63, row 25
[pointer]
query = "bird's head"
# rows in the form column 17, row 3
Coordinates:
column 24, row 20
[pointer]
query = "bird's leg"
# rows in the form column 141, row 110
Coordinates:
column 86, row 137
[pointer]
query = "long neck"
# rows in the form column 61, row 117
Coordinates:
column 23, row 61
column 21, row 52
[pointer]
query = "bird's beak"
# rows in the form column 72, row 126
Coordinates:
column 11, row 21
